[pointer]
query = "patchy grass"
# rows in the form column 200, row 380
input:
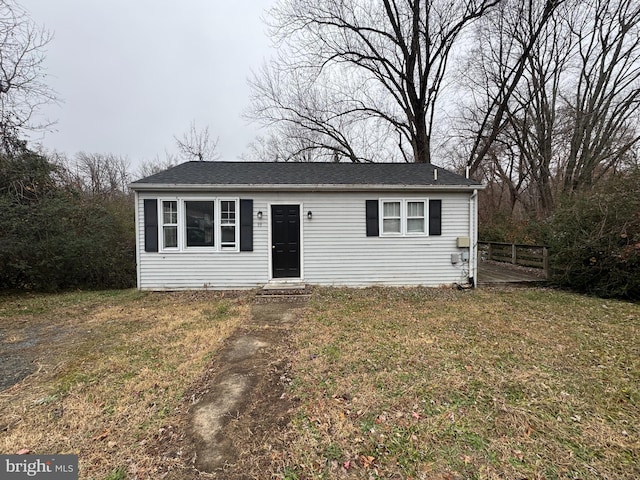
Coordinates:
column 389, row 383
column 523, row 383
column 113, row 370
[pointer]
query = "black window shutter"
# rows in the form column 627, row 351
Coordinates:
column 435, row 217
column 246, row 225
column 372, row 218
column 150, row 225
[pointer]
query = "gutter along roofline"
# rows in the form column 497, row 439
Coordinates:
column 208, row 187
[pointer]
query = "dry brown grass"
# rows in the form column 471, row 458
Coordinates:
column 112, row 373
column 518, row 384
column 387, row 383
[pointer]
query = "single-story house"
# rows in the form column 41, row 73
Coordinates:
column 234, row 225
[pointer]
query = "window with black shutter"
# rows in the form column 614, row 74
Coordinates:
column 403, row 217
column 246, row 225
column 372, row 218
column 435, row 217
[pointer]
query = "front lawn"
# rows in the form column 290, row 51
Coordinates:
column 112, row 375
column 520, row 384
column 385, row 383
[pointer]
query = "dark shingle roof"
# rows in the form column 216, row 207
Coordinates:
column 302, row 174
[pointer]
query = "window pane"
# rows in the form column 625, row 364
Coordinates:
column 391, row 225
column 170, row 237
column 228, row 212
column 415, row 225
column 228, row 236
column 170, row 212
column 199, row 224
column 392, row 209
column 415, row 217
column 415, row 209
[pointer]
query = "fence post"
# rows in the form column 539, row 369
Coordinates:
column 514, row 258
column 545, row 262
column 490, row 251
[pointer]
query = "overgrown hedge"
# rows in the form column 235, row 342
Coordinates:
column 53, row 237
column 595, row 239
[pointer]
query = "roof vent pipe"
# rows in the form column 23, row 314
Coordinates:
column 435, row 174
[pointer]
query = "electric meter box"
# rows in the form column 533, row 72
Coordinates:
column 463, row 242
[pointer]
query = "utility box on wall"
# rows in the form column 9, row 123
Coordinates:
column 463, row 242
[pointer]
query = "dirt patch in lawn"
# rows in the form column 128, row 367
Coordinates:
column 26, row 344
column 239, row 406
column 16, row 358
column 111, row 376
column 76, row 369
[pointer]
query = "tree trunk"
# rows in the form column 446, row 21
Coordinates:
column 421, row 143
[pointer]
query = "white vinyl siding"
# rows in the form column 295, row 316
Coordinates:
column 357, row 260
column 334, row 245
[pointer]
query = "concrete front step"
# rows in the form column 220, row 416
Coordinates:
column 284, row 289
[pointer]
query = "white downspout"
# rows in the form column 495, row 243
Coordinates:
column 138, row 238
column 473, row 233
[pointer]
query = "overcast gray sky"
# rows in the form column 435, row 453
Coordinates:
column 133, row 73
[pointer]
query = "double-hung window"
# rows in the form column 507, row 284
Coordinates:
column 228, row 230
column 196, row 224
column 391, row 217
column 170, row 224
column 416, row 223
column 404, row 217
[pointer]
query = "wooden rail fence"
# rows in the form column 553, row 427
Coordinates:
column 536, row 256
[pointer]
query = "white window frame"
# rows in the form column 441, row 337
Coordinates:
column 424, row 217
column 236, row 224
column 162, row 225
column 183, row 229
column 383, row 218
column 182, row 225
column 404, row 217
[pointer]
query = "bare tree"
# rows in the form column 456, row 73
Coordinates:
column 197, row 145
column 368, row 66
column 571, row 116
column 289, row 147
column 304, row 117
column 520, row 25
column 150, row 167
column 99, row 174
column 602, row 110
column 517, row 127
column 22, row 87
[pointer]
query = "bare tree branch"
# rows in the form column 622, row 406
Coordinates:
column 564, row 115
column 493, row 120
column 22, row 87
column 150, row 167
column 99, row 174
column 197, row 145
column 380, row 64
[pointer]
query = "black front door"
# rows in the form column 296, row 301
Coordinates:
column 285, row 241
